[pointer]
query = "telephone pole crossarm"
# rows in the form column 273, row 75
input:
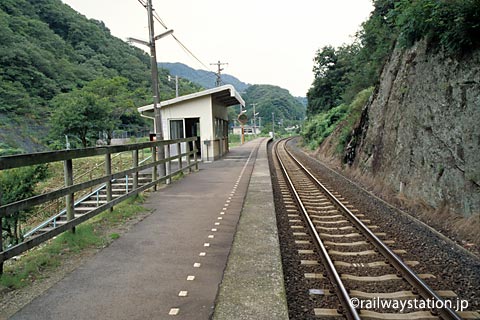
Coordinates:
column 219, row 65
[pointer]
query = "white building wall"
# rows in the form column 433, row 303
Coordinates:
column 220, row 143
column 196, row 108
column 200, row 105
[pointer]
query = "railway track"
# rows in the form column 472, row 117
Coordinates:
column 361, row 274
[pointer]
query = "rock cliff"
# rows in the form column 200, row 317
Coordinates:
column 420, row 132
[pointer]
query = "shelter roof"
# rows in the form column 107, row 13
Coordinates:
column 226, row 95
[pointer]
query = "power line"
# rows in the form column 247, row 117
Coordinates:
column 183, row 46
column 157, row 17
column 209, row 75
column 190, row 52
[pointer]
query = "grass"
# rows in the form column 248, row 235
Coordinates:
column 234, row 140
column 178, row 176
column 114, row 236
column 93, row 234
column 34, row 265
column 84, row 169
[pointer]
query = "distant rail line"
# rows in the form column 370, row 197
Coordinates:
column 357, row 263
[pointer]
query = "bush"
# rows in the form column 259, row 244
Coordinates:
column 319, row 127
column 17, row 184
column 453, row 24
column 352, row 118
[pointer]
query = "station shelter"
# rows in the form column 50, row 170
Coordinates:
column 202, row 114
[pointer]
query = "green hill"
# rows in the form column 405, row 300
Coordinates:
column 204, row 78
column 47, row 48
column 288, row 109
column 270, row 99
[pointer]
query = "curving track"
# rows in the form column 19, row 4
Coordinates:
column 358, row 264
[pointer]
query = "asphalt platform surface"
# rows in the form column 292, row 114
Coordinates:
column 171, row 264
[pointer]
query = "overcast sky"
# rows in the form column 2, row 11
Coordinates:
column 263, row 41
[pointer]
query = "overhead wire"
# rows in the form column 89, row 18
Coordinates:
column 183, row 46
column 208, row 76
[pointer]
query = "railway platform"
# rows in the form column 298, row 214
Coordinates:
column 203, row 253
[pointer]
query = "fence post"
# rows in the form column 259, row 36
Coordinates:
column 68, row 172
column 108, row 172
column 220, row 149
column 135, row 166
column 187, row 148
column 179, row 148
column 195, row 155
column 168, row 163
column 155, row 168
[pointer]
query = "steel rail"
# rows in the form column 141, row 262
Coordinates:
column 423, row 288
column 342, row 292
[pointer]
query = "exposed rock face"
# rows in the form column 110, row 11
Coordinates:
column 420, row 132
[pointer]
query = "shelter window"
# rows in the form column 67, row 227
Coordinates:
column 176, row 129
column 218, row 128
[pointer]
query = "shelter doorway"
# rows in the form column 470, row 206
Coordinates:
column 192, row 129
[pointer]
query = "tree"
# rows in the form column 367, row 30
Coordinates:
column 100, row 106
column 331, row 70
column 77, row 114
column 270, row 99
column 17, row 184
column 115, row 99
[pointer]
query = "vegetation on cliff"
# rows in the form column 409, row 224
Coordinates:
column 340, row 73
column 321, row 125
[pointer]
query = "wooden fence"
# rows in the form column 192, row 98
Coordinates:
column 68, row 191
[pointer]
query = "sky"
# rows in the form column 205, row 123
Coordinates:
column 263, row 41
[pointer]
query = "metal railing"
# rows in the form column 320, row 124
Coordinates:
column 105, row 181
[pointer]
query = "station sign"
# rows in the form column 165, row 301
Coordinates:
column 242, row 118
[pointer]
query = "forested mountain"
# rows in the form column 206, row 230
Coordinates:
column 270, row 99
column 202, row 77
column 288, row 110
column 48, row 49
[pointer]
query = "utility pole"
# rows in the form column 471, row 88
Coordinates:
column 219, row 72
column 273, row 125
column 254, row 119
column 176, row 84
column 156, row 93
